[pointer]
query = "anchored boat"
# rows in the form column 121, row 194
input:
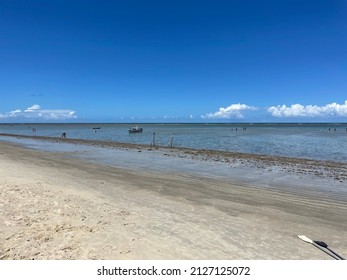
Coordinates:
column 135, row 129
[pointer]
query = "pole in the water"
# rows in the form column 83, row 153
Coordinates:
column 170, row 142
column 153, row 143
column 322, row 246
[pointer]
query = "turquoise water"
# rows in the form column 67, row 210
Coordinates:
column 312, row 141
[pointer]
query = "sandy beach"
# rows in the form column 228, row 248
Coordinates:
column 56, row 207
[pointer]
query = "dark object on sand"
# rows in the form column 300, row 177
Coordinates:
column 322, row 246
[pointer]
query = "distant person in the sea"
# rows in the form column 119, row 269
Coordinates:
column 63, row 135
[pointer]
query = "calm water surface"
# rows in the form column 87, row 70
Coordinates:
column 316, row 141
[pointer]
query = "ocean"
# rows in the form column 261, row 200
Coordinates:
column 311, row 141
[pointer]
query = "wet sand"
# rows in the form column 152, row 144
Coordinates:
column 56, row 207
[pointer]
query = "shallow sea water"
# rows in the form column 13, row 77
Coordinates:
column 312, row 141
column 142, row 159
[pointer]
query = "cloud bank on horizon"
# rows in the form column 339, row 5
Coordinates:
column 282, row 111
column 298, row 110
column 36, row 113
column 234, row 111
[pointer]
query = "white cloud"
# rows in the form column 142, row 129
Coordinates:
column 33, row 108
column 170, row 117
column 35, row 112
column 298, row 110
column 14, row 112
column 232, row 111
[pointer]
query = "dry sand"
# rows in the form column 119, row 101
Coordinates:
column 55, row 207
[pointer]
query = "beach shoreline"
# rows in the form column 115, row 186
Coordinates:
column 320, row 168
column 57, row 207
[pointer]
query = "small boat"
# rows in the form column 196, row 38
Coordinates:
column 135, row 129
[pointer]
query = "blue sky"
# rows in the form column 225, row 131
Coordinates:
column 173, row 61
